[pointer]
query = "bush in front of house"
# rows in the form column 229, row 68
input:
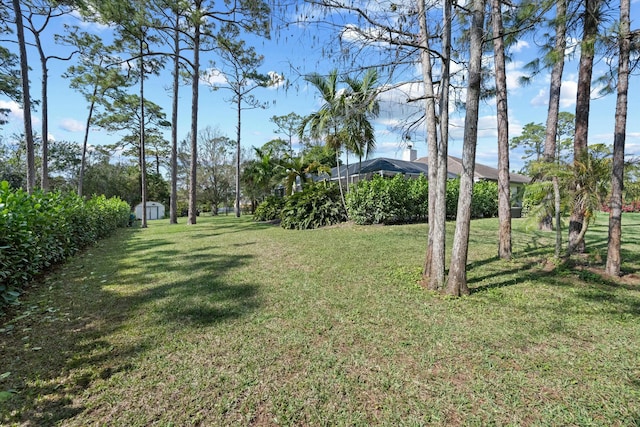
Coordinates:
column 400, row 200
column 485, row 199
column 318, row 205
column 388, row 201
column 44, row 228
column 270, row 209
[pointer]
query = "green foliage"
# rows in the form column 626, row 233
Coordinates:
column 387, row 201
column 400, row 200
column 269, row 209
column 316, row 206
column 485, row 199
column 39, row 230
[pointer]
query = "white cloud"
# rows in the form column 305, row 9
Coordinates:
column 15, row 110
column 568, row 93
column 90, row 25
column 519, row 46
column 71, row 125
column 213, row 77
column 541, row 99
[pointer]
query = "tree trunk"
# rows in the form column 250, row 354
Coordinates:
column 504, row 191
column 26, row 99
column 457, row 281
column 557, row 201
column 439, row 221
column 583, row 98
column 143, row 160
column 85, row 142
column 432, row 132
column 617, row 174
column 44, row 178
column 555, row 85
column 195, row 81
column 238, row 129
column 173, row 201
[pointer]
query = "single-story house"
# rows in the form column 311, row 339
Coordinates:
column 155, row 210
column 484, row 172
column 480, row 172
column 381, row 166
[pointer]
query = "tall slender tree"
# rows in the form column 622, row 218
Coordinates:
column 504, row 194
column 457, row 280
column 556, row 57
column 432, row 131
column 591, row 20
column 437, row 222
column 94, row 78
column 26, row 97
column 38, row 16
column 288, row 125
column 617, row 172
column 239, row 65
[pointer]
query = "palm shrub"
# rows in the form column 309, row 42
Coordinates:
column 44, row 228
column 269, row 209
column 316, row 206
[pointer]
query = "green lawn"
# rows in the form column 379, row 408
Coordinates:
column 230, row 322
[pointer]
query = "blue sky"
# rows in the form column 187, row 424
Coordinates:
column 301, row 49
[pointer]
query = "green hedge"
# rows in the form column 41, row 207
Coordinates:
column 316, row 206
column 399, row 200
column 270, row 209
column 42, row 229
column 386, row 201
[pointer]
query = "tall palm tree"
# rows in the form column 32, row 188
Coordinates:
column 327, row 121
column 361, row 104
column 343, row 119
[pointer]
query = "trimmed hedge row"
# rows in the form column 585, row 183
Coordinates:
column 400, row 200
column 378, row 201
column 42, row 229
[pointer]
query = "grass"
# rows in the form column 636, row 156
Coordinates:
column 230, row 322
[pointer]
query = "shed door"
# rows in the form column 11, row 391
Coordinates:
column 152, row 212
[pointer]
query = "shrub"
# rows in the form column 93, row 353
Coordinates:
column 485, row 199
column 399, row 200
column 269, row 209
column 387, row 201
column 316, row 206
column 42, row 229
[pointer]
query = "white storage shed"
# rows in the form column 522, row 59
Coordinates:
column 155, row 210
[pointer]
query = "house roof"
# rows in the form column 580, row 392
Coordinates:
column 382, row 165
column 454, row 165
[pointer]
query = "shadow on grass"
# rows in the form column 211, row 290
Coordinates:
column 96, row 303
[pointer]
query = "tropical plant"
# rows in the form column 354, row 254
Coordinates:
column 270, row 209
column 318, row 205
